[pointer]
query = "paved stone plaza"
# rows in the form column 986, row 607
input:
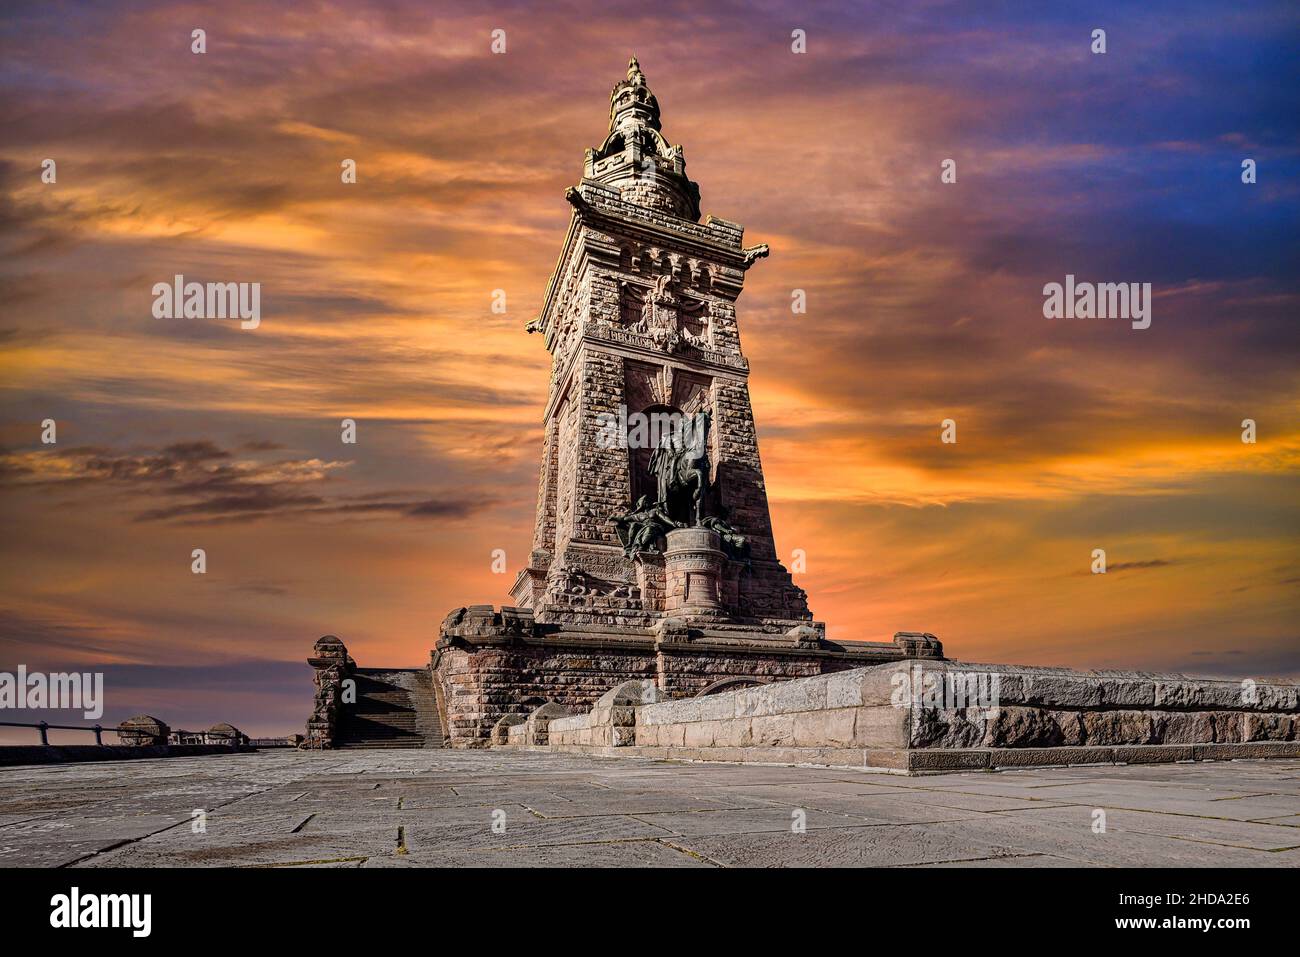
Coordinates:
column 374, row 808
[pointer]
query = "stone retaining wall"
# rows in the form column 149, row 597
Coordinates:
column 21, row 754
column 920, row 705
column 926, row 716
column 493, row 663
column 1056, row 707
column 535, row 729
column 611, row 723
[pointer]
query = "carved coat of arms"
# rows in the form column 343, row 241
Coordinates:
column 661, row 318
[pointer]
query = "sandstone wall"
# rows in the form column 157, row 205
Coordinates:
column 490, row 664
column 1055, row 707
column 908, row 706
column 919, row 716
column 823, row 711
column 483, row 685
column 611, row 723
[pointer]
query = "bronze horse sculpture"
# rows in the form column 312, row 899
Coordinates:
column 681, row 462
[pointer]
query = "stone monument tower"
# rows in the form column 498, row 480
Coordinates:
column 640, row 321
column 652, row 553
column 653, row 573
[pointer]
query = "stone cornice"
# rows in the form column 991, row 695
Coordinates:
column 723, row 244
column 627, row 343
column 573, row 638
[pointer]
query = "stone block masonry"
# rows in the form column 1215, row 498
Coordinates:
column 491, row 664
column 610, row 724
column 654, row 614
column 921, row 717
column 640, row 316
column 647, row 564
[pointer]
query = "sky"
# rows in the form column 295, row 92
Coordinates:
column 924, row 303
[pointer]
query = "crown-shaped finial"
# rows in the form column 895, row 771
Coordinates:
column 631, row 104
column 636, row 139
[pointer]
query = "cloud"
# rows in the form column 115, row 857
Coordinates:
column 211, row 486
column 1129, row 566
column 924, row 304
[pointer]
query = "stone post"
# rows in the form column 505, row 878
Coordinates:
column 333, row 665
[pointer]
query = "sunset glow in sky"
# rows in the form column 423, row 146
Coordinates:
column 924, row 303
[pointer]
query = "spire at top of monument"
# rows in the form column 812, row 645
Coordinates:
column 631, row 103
column 636, row 159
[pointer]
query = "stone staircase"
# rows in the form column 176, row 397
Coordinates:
column 394, row 709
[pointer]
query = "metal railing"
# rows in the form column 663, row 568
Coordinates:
column 44, row 727
column 175, row 737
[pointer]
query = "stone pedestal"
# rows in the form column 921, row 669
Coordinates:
column 693, row 564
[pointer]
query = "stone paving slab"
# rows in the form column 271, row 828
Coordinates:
column 638, row 802
column 524, row 830
column 49, row 853
column 985, row 803
column 1076, row 841
column 435, row 808
column 1266, row 837
column 746, row 821
column 1133, row 796
column 181, row 849
column 796, row 795
column 650, row 853
column 1024, row 860
column 867, row 846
